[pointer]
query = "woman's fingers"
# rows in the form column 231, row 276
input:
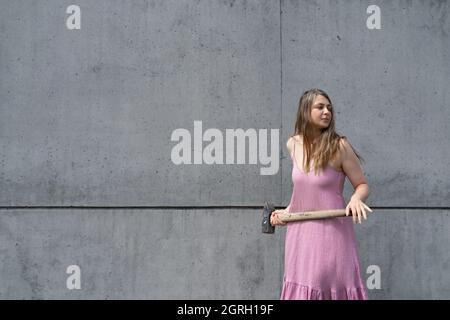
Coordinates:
column 279, row 220
column 349, row 210
column 359, row 214
column 367, row 207
column 364, row 212
column 354, row 214
column 358, row 210
column 275, row 220
column 363, row 208
column 272, row 219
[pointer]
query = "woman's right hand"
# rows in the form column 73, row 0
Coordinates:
column 275, row 220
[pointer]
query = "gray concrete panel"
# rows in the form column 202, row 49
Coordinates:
column 86, row 115
column 202, row 254
column 411, row 248
column 138, row 254
column 389, row 87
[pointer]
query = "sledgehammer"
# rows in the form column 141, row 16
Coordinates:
column 289, row 217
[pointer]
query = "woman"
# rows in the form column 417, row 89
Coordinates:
column 321, row 257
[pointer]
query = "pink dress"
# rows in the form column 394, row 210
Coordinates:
column 321, row 257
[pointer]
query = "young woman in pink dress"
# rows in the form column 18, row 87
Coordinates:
column 321, row 256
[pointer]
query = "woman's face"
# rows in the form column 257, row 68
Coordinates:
column 321, row 112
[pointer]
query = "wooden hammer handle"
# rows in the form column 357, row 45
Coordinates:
column 311, row 215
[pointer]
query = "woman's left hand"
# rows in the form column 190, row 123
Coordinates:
column 357, row 208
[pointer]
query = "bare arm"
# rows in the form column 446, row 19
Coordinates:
column 289, row 146
column 274, row 220
column 362, row 192
column 354, row 172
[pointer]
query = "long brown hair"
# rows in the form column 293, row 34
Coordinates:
column 327, row 144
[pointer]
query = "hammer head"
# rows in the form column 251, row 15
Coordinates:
column 267, row 211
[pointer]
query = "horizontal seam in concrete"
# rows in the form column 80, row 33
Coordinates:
column 188, row 207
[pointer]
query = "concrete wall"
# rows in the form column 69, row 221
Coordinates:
column 87, row 176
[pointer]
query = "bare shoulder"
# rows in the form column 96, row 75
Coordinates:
column 342, row 150
column 297, row 139
column 351, row 164
column 344, row 147
column 289, row 144
column 291, row 141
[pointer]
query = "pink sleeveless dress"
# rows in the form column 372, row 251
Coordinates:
column 321, row 257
